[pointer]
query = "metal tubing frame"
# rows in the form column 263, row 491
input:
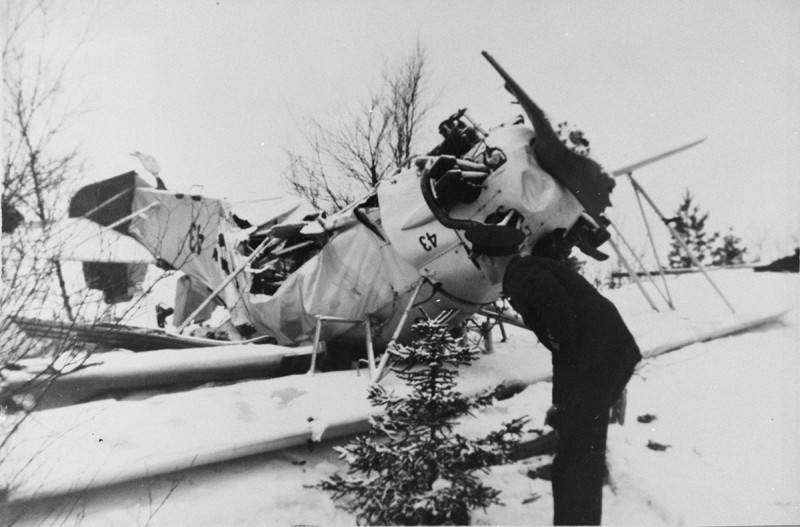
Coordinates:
column 321, row 319
column 380, row 371
column 637, row 192
column 130, row 216
column 633, row 274
column 486, row 333
column 682, row 243
column 256, row 252
column 98, row 207
column 502, row 331
column 641, row 265
column 106, row 202
column 514, row 320
column 118, row 222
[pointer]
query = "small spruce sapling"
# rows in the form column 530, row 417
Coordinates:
column 730, row 251
column 690, row 224
column 410, row 468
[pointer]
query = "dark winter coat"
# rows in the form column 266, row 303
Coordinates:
column 583, row 329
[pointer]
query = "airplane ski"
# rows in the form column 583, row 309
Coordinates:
column 76, row 448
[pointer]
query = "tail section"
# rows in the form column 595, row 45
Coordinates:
column 106, row 203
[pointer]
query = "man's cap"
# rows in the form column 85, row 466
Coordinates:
column 494, row 240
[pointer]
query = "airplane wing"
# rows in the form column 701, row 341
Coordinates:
column 650, row 160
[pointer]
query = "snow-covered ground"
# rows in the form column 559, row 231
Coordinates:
column 727, row 411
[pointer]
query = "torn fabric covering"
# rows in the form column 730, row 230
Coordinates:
column 266, row 212
column 195, row 235
column 355, row 275
column 189, row 294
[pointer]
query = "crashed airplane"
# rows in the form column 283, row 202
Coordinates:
column 289, row 275
column 292, row 278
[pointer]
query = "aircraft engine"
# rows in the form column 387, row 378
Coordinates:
column 515, row 181
column 505, row 185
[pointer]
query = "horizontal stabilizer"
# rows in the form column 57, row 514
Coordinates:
column 83, row 240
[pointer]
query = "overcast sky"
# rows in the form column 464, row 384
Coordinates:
column 218, row 90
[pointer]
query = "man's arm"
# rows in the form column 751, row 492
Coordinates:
column 544, row 304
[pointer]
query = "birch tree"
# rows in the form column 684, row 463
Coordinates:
column 341, row 162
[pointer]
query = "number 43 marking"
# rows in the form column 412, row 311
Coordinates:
column 196, row 238
column 428, row 241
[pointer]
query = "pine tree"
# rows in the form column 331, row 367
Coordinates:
column 690, row 224
column 411, row 469
column 730, row 251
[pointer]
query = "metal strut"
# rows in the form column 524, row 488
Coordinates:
column 641, row 266
column 637, row 192
column 380, row 371
column 681, row 241
column 256, row 252
column 633, row 274
column 321, row 319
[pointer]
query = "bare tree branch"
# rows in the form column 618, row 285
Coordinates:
column 346, row 160
column 35, row 177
